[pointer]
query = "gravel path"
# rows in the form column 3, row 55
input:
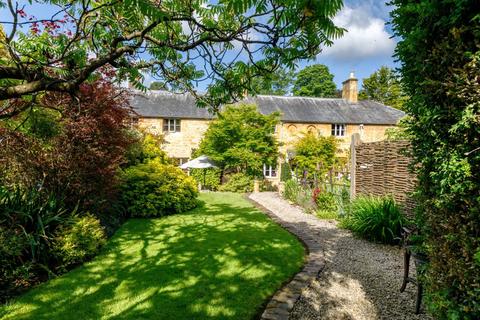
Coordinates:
column 360, row 280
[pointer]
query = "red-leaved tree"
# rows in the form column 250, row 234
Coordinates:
column 80, row 163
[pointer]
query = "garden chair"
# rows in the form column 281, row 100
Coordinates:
column 420, row 260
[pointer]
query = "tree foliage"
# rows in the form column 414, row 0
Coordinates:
column 155, row 189
column 439, row 52
column 315, row 81
column 58, row 160
column 80, row 158
column 315, row 155
column 384, row 86
column 179, row 43
column 278, row 83
column 146, row 147
column 157, row 85
column 241, row 139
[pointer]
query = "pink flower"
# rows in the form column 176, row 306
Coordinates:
column 21, row 13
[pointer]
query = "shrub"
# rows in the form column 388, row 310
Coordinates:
column 241, row 138
column 145, row 148
column 292, row 190
column 300, row 195
column 154, row 189
column 12, row 244
column 286, row 172
column 376, row 219
column 438, row 48
column 267, row 185
column 212, row 177
column 325, row 201
column 78, row 239
column 304, row 199
column 326, row 214
column 74, row 153
column 343, row 201
column 326, row 204
column 28, row 220
column 315, row 155
column 238, row 182
column 33, row 214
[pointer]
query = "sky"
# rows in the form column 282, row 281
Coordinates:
column 365, row 47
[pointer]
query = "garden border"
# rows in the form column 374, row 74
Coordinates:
column 282, row 302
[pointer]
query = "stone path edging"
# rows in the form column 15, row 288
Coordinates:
column 281, row 304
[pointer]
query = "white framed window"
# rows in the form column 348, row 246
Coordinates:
column 269, row 171
column 338, row 129
column 171, row 125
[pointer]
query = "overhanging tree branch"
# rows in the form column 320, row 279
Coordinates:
column 262, row 36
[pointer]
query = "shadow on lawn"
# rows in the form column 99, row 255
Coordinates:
column 220, row 261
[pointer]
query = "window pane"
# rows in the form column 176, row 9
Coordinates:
column 165, row 124
column 338, row 130
column 269, row 171
column 177, row 125
column 274, row 171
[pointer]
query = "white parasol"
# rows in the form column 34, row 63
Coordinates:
column 202, row 162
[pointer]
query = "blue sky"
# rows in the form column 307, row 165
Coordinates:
column 363, row 49
column 366, row 46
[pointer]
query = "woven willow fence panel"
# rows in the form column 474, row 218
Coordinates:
column 381, row 168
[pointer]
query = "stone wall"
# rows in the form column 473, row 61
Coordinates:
column 289, row 133
column 178, row 144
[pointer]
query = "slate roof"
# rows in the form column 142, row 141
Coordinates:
column 162, row 104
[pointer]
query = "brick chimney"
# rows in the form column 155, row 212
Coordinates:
column 350, row 89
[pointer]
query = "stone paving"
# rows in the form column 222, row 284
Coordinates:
column 344, row 277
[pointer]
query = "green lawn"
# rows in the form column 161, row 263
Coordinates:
column 220, row 261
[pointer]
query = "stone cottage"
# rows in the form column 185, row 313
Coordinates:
column 183, row 124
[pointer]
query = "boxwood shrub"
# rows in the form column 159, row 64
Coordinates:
column 153, row 189
column 78, row 239
column 238, row 182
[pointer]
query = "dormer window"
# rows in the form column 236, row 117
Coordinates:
column 171, row 125
column 338, row 130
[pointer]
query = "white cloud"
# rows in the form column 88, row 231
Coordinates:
column 367, row 36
